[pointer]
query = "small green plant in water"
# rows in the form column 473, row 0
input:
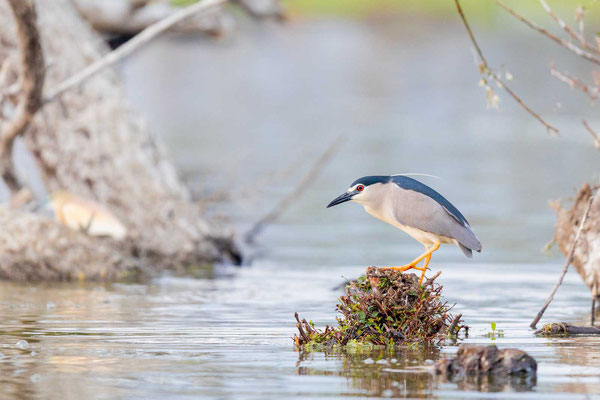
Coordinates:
column 493, row 334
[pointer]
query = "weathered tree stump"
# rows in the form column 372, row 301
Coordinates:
column 586, row 258
column 89, row 142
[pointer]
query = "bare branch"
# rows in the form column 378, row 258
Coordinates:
column 567, row 262
column 131, row 46
column 572, row 34
column 294, row 194
column 485, row 68
column 32, row 81
column 568, row 45
column 593, row 133
column 453, row 325
column 574, row 82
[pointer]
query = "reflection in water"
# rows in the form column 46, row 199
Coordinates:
column 491, row 383
column 403, row 373
column 230, row 336
column 378, row 373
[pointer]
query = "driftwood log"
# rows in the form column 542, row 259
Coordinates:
column 562, row 328
column 90, row 142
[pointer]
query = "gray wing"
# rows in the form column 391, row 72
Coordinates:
column 422, row 212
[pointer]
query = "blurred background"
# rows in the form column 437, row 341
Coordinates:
column 248, row 114
column 244, row 116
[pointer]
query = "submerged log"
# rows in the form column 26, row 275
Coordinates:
column 91, row 143
column 474, row 360
column 562, row 328
column 385, row 307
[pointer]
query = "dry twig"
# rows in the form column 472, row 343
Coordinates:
column 452, row 328
column 572, row 34
column 567, row 262
column 567, row 45
column 430, row 280
column 593, row 133
column 310, row 176
column 485, row 68
column 131, row 46
column 574, row 82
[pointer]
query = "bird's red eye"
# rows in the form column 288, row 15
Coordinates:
column 360, row 188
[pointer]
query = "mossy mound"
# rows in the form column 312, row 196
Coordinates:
column 385, row 307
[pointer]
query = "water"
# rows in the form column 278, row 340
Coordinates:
column 270, row 99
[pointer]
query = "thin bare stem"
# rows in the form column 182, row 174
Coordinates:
column 593, row 133
column 486, row 68
column 567, row 262
column 568, row 45
column 131, row 46
column 572, row 34
column 574, row 82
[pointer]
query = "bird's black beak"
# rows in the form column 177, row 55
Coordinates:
column 341, row 199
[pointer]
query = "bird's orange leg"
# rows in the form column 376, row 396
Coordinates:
column 413, row 264
column 425, row 264
column 427, row 253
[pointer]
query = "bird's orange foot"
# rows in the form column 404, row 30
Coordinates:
column 404, row 268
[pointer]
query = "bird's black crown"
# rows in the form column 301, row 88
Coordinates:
column 369, row 180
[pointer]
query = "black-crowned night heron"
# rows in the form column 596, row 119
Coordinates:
column 416, row 209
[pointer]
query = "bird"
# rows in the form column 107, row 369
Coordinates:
column 416, row 209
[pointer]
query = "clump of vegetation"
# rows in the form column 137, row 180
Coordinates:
column 385, row 307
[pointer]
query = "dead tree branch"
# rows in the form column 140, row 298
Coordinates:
column 485, row 69
column 567, row 45
column 31, row 82
column 310, row 176
column 131, row 46
column 567, row 262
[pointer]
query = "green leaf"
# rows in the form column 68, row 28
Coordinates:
column 494, row 326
